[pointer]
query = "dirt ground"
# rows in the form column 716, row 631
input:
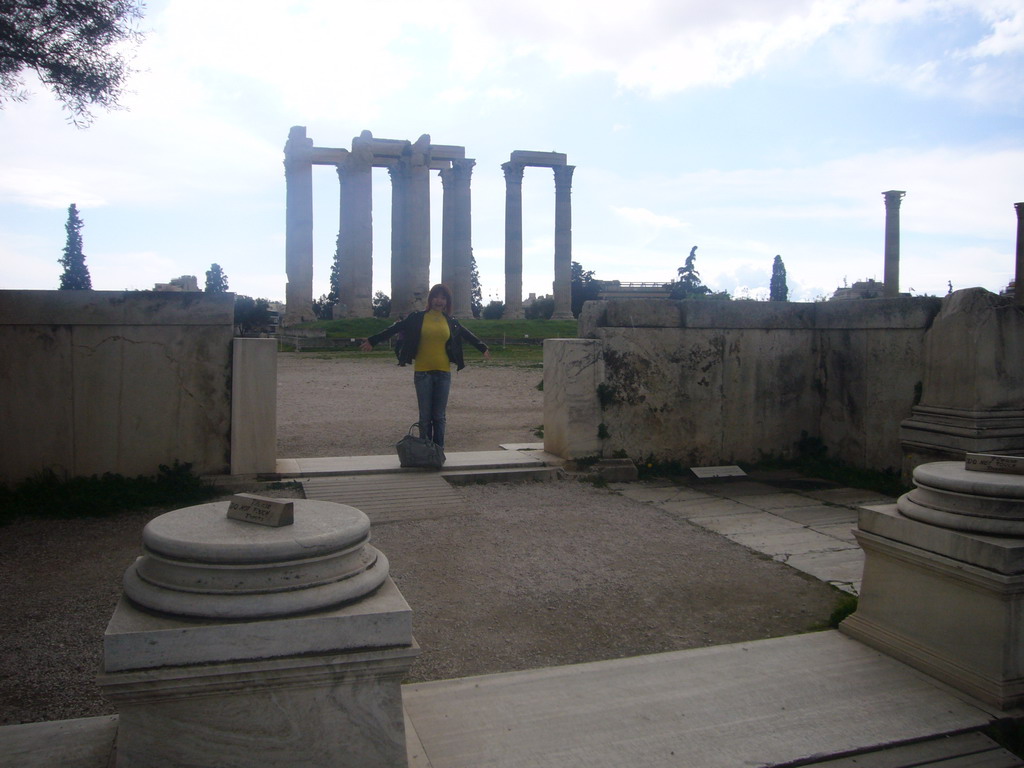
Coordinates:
column 536, row 574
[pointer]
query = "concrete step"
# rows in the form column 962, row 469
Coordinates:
column 501, row 475
column 375, row 465
column 390, row 497
column 964, row 750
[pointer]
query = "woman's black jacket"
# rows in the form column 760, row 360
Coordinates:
column 409, row 341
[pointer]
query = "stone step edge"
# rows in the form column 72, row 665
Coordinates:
column 501, row 475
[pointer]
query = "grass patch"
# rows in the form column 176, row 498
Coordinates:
column 507, row 330
column 513, row 342
column 49, row 496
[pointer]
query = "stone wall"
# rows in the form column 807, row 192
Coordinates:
column 104, row 381
column 705, row 382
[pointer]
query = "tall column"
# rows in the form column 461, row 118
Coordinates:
column 892, row 242
column 400, row 291
column 355, row 234
column 563, row 242
column 410, row 229
column 298, row 238
column 513, row 240
column 456, row 235
column 418, row 223
column 1018, row 286
column 448, row 257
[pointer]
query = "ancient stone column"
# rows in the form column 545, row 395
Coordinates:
column 448, row 257
column 355, row 234
column 1018, row 286
column 410, row 236
column 456, row 235
column 562, row 288
column 513, row 240
column 400, row 290
column 892, row 242
column 298, row 238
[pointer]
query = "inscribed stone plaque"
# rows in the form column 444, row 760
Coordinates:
column 726, row 471
column 987, row 462
column 250, row 508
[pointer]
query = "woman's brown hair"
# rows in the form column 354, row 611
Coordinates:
column 441, row 290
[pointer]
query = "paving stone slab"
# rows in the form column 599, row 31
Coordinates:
column 748, row 523
column 818, row 515
column 842, row 531
column 692, row 509
column 778, row 500
column 768, row 702
column 843, row 566
column 851, row 497
column 801, row 542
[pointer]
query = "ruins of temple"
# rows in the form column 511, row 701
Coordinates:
column 409, row 165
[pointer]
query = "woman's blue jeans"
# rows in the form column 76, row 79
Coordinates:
column 432, row 388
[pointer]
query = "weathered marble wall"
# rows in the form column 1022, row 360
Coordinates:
column 105, row 381
column 709, row 382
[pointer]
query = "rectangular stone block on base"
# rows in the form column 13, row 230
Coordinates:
column 317, row 689
column 311, row 711
column 946, row 602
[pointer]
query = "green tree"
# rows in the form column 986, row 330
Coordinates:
column 476, row 295
column 335, row 293
column 584, row 287
column 778, row 290
column 76, row 47
column 251, row 315
column 541, row 309
column 76, row 273
column 216, row 280
column 381, row 304
column 493, row 311
column 689, row 285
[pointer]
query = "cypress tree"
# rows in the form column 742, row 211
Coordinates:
column 778, row 290
column 216, row 280
column 76, row 274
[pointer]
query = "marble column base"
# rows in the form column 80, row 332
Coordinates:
column 947, row 602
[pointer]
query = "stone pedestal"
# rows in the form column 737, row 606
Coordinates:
column 949, row 600
column 973, row 378
column 246, row 645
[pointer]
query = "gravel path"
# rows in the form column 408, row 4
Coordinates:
column 537, row 574
column 361, row 407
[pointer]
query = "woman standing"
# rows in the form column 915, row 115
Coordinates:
column 433, row 339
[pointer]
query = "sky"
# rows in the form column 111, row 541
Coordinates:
column 749, row 128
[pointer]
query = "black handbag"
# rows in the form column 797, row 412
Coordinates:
column 419, row 451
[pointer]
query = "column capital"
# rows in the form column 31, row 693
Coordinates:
column 513, row 172
column 298, row 150
column 400, row 170
column 463, row 169
column 893, row 197
column 563, row 177
column 1020, row 210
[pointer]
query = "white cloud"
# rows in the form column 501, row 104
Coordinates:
column 646, row 218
